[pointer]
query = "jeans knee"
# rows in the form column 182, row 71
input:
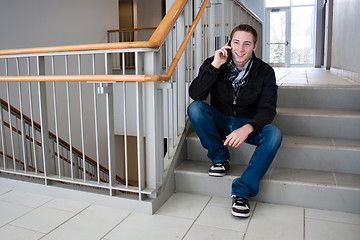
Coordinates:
column 274, row 136
column 277, row 137
column 195, row 109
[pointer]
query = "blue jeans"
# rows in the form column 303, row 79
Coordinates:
column 212, row 127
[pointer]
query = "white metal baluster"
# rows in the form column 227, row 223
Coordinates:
column 175, row 108
column 23, row 134
column 9, row 112
column 81, row 122
column 139, row 130
column 70, row 139
column 3, row 136
column 110, row 125
column 171, row 120
column 181, row 75
column 82, row 130
column 68, row 166
column 204, row 36
column 166, row 119
column 43, row 118
column 233, row 14
column 17, row 136
column 96, row 124
column 212, row 17
column 56, row 118
column 32, row 121
column 68, row 114
column 125, row 124
column 222, row 24
column 28, row 146
column 96, row 135
column 56, row 129
column 191, row 64
column 123, row 63
column 125, row 136
column 188, row 47
column 198, row 39
column 82, row 127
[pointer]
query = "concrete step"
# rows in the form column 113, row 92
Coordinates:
column 328, row 97
column 334, row 123
column 307, row 188
column 297, row 152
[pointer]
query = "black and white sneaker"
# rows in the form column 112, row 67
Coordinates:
column 219, row 169
column 240, row 207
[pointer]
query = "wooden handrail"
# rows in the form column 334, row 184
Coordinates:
column 155, row 40
column 123, row 78
column 84, row 47
column 168, row 21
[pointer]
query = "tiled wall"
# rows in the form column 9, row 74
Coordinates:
column 354, row 76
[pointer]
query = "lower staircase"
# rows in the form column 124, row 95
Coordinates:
column 318, row 164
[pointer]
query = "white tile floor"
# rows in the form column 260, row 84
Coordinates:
column 30, row 216
column 309, row 77
column 184, row 216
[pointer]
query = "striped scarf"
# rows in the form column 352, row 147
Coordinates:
column 237, row 76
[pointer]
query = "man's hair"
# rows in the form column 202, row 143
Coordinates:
column 245, row 28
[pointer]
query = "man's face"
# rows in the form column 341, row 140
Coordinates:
column 242, row 46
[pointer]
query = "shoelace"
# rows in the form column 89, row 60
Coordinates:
column 218, row 165
column 241, row 201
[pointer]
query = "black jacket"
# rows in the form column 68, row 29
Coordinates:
column 256, row 100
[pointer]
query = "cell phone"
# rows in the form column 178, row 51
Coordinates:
column 229, row 50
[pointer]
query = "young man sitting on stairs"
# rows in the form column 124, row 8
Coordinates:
column 243, row 95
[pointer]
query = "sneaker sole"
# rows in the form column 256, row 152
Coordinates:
column 217, row 174
column 241, row 215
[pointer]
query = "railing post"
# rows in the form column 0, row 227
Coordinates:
column 49, row 166
column 154, row 166
column 181, row 74
column 198, row 39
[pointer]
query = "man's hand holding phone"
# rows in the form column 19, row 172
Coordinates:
column 221, row 55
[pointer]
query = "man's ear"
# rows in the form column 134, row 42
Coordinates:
column 255, row 45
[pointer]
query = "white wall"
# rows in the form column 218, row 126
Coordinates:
column 39, row 23
column 346, row 35
column 147, row 13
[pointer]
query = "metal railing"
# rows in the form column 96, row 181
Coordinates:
column 25, row 134
column 72, row 92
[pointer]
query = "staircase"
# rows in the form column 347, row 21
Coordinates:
column 318, row 164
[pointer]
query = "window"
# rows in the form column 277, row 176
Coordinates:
column 302, row 2
column 302, row 35
column 277, row 3
column 288, row 3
